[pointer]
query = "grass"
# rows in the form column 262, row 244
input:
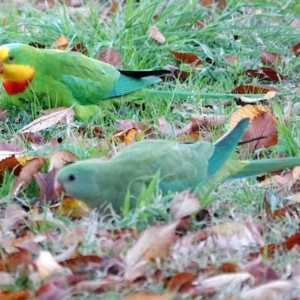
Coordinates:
column 244, row 29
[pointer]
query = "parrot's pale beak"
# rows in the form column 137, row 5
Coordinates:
column 58, row 188
column 1, row 68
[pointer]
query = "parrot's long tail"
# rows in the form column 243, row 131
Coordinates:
column 239, row 169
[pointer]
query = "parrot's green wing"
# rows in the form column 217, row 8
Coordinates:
column 91, row 81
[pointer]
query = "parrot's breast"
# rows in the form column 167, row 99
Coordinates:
column 15, row 87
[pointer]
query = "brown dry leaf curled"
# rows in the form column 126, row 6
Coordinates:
column 156, row 34
column 61, row 43
column 111, row 56
column 27, row 174
column 60, row 158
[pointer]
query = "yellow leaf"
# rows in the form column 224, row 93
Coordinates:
column 73, row 207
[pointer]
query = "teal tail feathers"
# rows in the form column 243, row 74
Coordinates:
column 239, row 169
column 225, row 146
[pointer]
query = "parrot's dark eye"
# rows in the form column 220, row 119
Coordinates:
column 11, row 58
column 72, row 177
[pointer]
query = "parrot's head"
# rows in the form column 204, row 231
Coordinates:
column 76, row 180
column 16, row 69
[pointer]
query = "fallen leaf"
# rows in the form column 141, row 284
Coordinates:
column 176, row 73
column 296, row 49
column 16, row 295
column 264, row 127
column 189, row 58
column 221, row 4
column 181, row 282
column 111, row 56
column 267, row 97
column 184, row 204
column 248, row 111
column 270, row 58
column 253, row 88
column 156, row 34
column 27, row 174
column 61, row 43
column 46, row 185
column 155, row 242
column 149, row 296
column 73, row 208
column 265, row 73
column 60, row 158
column 277, row 289
column 47, row 121
column 47, row 265
column 226, row 281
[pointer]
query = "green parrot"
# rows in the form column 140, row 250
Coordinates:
column 199, row 166
column 63, row 78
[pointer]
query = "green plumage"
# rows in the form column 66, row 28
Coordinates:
column 197, row 166
column 65, row 78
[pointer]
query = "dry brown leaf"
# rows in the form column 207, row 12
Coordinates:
column 156, row 34
column 234, row 236
column 46, row 185
column 208, row 121
column 266, row 73
column 10, row 163
column 47, row 265
column 269, row 291
column 61, row 43
column 262, row 126
column 155, row 242
column 184, row 204
column 165, row 126
column 16, row 295
column 47, row 121
column 65, row 119
column 226, row 281
column 221, row 4
column 176, row 73
column 267, row 97
column 270, row 58
column 43, row 5
column 248, row 111
column 15, row 216
column 111, row 56
column 27, row 174
column 253, row 88
column 296, row 49
column 61, row 157
column 149, row 296
column 188, row 58
column 7, row 148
